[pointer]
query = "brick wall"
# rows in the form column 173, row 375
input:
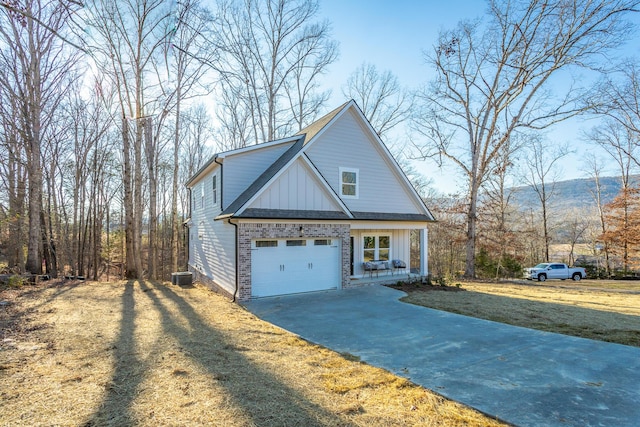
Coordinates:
column 199, row 277
column 249, row 231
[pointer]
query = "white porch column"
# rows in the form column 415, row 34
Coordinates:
column 424, row 252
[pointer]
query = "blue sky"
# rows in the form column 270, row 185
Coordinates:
column 393, row 36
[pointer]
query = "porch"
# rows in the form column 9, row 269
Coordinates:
column 385, row 278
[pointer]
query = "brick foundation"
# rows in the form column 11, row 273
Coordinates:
column 198, row 277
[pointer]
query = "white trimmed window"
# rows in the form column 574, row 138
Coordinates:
column 214, row 190
column 376, row 248
column 349, row 179
column 201, row 195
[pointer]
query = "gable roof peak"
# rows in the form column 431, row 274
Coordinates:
column 314, row 128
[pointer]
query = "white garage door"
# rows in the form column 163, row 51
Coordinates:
column 291, row 266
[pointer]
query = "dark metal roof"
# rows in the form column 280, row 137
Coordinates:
column 292, row 214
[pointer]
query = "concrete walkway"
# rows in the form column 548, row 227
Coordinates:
column 522, row 376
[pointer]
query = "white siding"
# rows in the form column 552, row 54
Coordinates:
column 400, row 246
column 212, row 248
column 242, row 169
column 297, row 188
column 347, row 144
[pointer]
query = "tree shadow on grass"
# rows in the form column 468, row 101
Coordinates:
column 286, row 406
column 128, row 371
column 274, row 403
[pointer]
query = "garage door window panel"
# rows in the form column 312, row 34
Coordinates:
column 266, row 243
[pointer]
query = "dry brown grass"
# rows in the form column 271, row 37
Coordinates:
column 601, row 310
column 134, row 353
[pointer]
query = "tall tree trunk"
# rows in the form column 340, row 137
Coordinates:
column 175, row 226
column 34, row 262
column 131, row 265
column 16, row 182
column 153, row 189
column 472, row 217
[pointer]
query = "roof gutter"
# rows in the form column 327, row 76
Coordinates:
column 235, row 292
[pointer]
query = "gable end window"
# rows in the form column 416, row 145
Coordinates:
column 349, row 180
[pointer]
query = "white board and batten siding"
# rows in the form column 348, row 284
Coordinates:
column 297, row 188
column 400, row 245
column 212, row 248
column 347, row 144
column 241, row 170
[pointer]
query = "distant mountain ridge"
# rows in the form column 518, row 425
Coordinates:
column 573, row 193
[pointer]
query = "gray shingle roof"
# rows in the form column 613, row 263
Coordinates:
column 262, row 180
column 315, row 127
column 384, row 216
column 306, row 135
column 291, row 214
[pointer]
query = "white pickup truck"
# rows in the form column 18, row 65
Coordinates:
column 544, row 271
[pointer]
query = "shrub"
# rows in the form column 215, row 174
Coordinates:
column 489, row 268
column 16, row 281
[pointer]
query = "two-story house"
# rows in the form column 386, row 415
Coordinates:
column 303, row 213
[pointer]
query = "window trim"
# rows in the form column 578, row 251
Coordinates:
column 356, row 184
column 214, row 189
column 376, row 245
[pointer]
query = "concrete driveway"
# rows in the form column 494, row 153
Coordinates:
column 522, row 376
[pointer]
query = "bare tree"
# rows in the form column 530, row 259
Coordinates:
column 34, row 64
column 13, row 180
column 188, row 58
column 128, row 35
column 595, row 170
column 622, row 144
column 272, row 55
column 541, row 173
column 497, row 211
column 493, row 80
column 618, row 97
column 379, row 94
column 576, row 224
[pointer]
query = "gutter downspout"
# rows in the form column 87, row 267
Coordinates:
column 235, row 292
column 189, row 229
column 237, row 259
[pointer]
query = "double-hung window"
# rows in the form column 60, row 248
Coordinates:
column 349, row 182
column 214, row 190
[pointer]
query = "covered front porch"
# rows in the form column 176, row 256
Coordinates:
column 387, row 251
column 385, row 278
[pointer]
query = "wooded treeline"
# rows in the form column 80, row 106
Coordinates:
column 105, row 112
